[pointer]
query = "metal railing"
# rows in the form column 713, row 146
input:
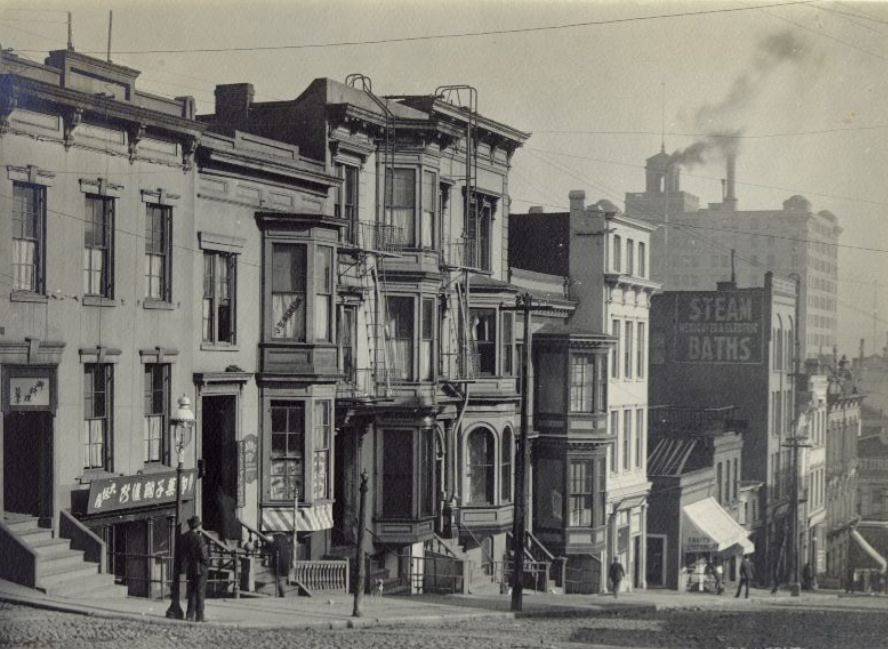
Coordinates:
column 441, row 575
column 535, row 577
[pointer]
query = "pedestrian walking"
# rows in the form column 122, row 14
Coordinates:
column 718, row 573
column 281, row 561
column 195, row 555
column 615, row 575
column 745, row 576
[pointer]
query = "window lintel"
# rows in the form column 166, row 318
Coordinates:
column 100, row 187
column 158, row 355
column 99, row 354
column 30, row 174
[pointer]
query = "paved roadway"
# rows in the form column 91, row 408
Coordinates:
column 818, row 623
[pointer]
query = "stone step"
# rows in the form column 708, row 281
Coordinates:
column 66, row 574
column 55, row 548
column 19, row 523
column 35, row 536
column 94, row 586
column 56, row 562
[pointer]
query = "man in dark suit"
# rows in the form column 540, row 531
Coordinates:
column 745, row 576
column 195, row 557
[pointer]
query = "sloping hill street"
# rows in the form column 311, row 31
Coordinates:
column 826, row 623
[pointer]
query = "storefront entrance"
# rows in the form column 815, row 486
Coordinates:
column 656, row 575
column 27, row 463
column 219, row 449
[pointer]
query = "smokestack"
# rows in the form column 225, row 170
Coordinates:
column 730, row 198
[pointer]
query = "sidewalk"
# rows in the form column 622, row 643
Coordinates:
column 335, row 611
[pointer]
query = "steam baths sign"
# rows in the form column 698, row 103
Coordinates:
column 722, row 327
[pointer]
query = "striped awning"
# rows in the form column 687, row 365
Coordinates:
column 309, row 519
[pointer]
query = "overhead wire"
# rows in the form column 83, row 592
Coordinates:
column 429, row 37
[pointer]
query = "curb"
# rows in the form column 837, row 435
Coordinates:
column 350, row 623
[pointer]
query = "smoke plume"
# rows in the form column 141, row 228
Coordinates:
column 721, row 121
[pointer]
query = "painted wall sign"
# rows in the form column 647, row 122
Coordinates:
column 132, row 491
column 251, row 458
column 719, row 327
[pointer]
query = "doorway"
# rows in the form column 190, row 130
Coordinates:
column 219, row 449
column 27, row 464
column 656, row 553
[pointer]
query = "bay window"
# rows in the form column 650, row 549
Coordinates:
column 630, row 257
column 508, row 343
column 400, row 333
column 581, row 493
column 478, row 230
column 618, row 251
column 400, row 202
column 506, row 463
column 582, row 383
column 640, row 344
column 481, row 464
column 321, row 449
column 428, row 224
column 484, row 331
column 397, row 473
column 615, row 350
column 347, row 202
column 288, row 284
column 287, row 467
column 426, row 340
column 323, row 305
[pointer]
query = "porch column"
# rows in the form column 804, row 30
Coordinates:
column 642, row 560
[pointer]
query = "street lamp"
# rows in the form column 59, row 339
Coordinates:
column 182, row 424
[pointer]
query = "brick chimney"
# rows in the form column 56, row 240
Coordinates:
column 233, row 101
column 577, row 200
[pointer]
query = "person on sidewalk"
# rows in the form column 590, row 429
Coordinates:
column 196, row 557
column 718, row 573
column 745, row 576
column 281, row 561
column 615, row 575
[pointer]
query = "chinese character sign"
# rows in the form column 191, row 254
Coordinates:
column 132, row 491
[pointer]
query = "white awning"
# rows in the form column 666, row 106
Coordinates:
column 869, row 550
column 707, row 527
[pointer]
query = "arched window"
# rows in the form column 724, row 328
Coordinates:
column 481, row 464
column 506, row 463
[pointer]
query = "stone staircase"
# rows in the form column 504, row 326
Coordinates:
column 61, row 571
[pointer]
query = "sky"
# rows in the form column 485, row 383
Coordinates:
column 802, row 89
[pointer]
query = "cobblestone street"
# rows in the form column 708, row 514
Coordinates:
column 787, row 627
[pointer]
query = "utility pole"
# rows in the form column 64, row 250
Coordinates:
column 795, row 443
column 523, row 303
column 361, row 570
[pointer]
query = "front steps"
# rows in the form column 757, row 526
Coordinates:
column 61, row 571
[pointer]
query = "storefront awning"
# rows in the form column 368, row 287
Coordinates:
column 869, row 551
column 707, row 527
column 309, row 519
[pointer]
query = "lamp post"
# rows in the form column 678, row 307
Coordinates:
column 182, row 424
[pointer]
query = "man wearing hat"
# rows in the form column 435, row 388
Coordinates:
column 195, row 557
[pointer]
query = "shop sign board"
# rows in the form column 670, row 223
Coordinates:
column 29, row 388
column 719, row 327
column 133, row 491
column 699, row 544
